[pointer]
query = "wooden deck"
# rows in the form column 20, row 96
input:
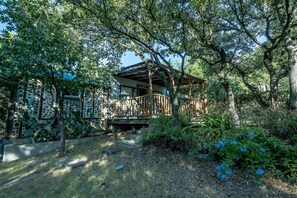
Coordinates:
column 130, row 121
column 139, row 109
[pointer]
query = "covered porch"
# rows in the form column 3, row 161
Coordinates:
column 137, row 109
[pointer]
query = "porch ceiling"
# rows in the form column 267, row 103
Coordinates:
column 140, row 72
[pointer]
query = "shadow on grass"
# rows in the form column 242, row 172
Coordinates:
column 148, row 172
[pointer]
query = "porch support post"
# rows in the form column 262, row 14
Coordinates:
column 190, row 90
column 151, row 92
column 189, row 108
column 204, row 102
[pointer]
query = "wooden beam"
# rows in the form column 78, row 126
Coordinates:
column 146, row 78
column 132, row 76
column 129, row 121
column 133, row 71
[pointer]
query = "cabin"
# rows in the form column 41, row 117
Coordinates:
column 142, row 95
column 135, row 95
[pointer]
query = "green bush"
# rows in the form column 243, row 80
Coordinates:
column 43, row 135
column 288, row 164
column 73, row 128
column 162, row 131
column 287, row 129
column 187, row 137
column 279, row 122
column 242, row 148
column 256, row 152
column 220, row 122
column 204, row 133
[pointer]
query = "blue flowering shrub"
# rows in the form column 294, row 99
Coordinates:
column 223, row 171
column 255, row 152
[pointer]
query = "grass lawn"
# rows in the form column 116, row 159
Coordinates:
column 148, row 172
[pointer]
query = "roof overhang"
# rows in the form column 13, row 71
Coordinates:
column 140, row 72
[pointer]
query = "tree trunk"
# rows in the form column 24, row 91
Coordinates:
column 230, row 96
column 256, row 94
column 10, row 114
column 175, row 111
column 273, row 91
column 231, row 105
column 292, row 60
column 267, row 60
column 61, row 123
column 293, row 84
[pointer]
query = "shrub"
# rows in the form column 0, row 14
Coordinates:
column 43, row 135
column 278, row 122
column 161, row 131
column 204, row 134
column 286, row 129
column 243, row 149
column 257, row 153
column 73, row 128
column 194, row 137
column 221, row 122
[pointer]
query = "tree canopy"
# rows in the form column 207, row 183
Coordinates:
column 48, row 47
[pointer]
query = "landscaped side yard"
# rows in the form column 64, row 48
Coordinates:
column 148, row 172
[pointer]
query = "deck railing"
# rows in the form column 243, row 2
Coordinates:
column 191, row 108
column 140, row 106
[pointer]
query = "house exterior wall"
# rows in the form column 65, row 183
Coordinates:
column 115, row 89
column 134, row 83
column 129, row 86
column 36, row 102
column 17, row 125
column 48, row 99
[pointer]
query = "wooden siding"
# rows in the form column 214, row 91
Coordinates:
column 134, row 83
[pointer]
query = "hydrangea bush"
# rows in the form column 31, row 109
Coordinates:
column 224, row 171
column 254, row 152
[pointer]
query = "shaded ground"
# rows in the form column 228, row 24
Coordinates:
column 148, row 172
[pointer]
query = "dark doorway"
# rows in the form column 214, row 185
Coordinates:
column 142, row 91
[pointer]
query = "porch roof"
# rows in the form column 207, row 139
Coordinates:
column 140, row 72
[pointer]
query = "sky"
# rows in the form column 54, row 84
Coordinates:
column 129, row 58
column 2, row 26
